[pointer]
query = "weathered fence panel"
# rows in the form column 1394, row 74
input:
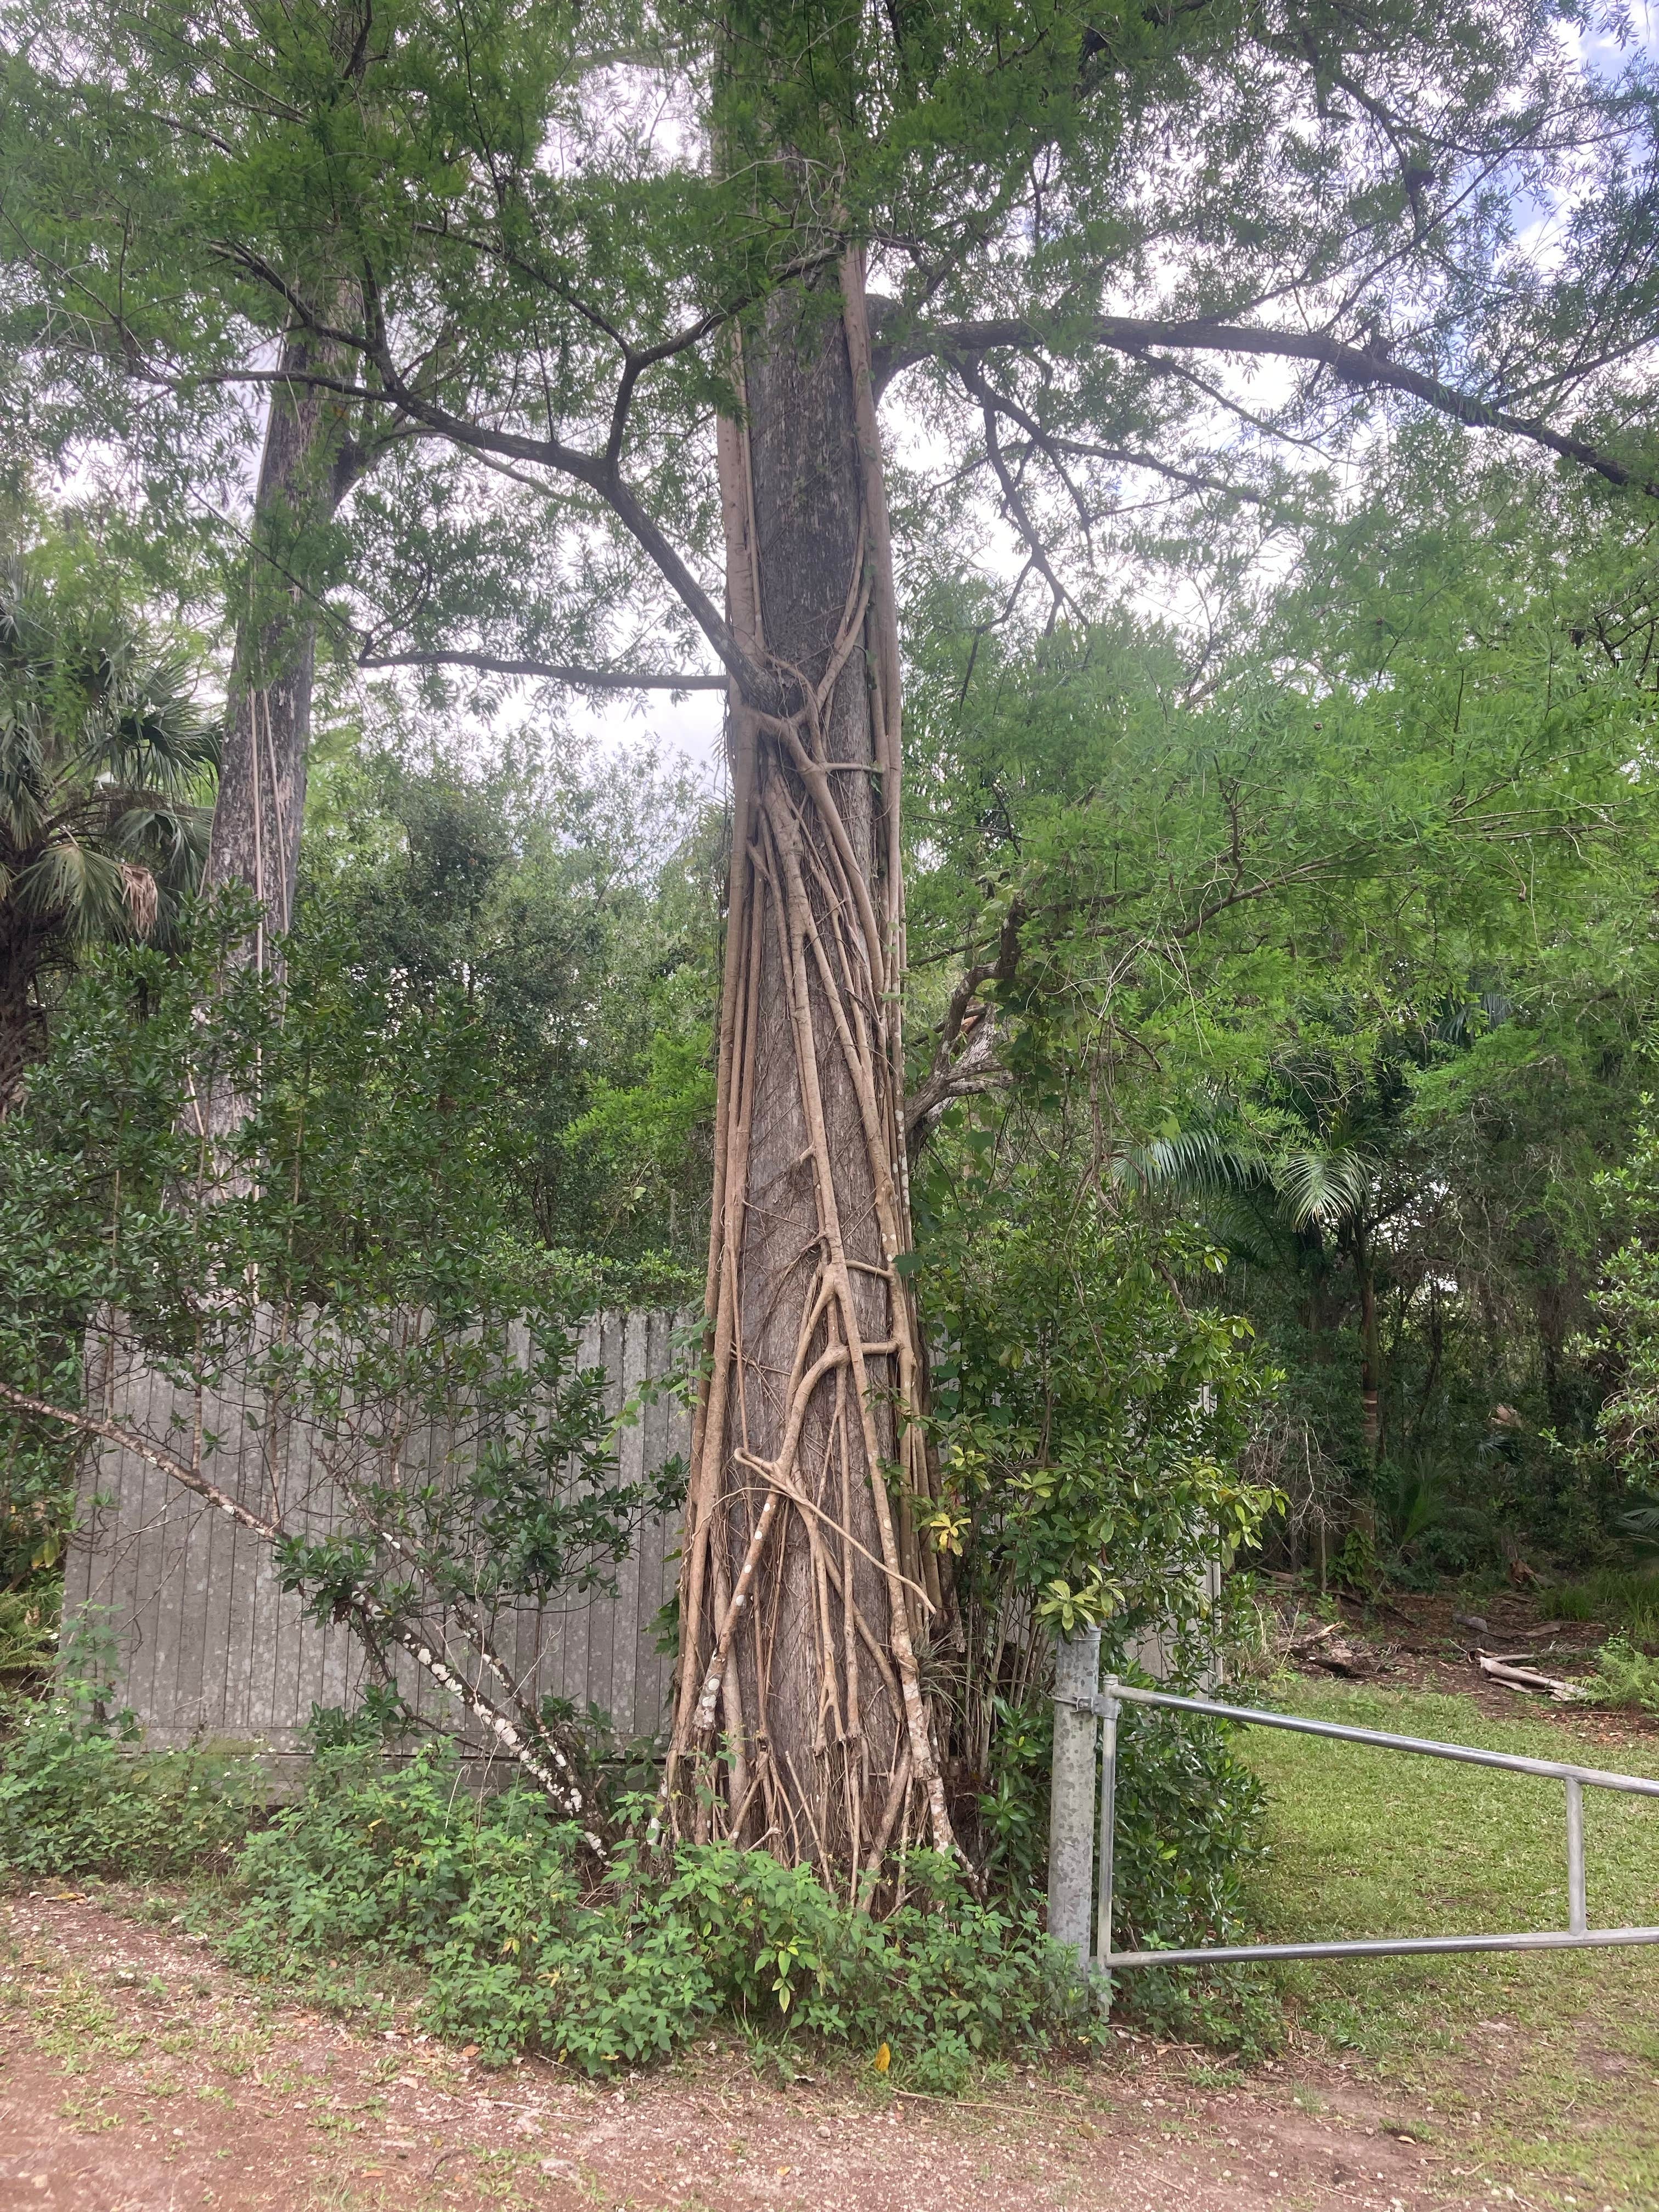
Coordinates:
column 203, row 1644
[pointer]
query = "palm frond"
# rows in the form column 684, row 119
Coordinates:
column 106, row 764
column 1323, row 1188
column 73, row 885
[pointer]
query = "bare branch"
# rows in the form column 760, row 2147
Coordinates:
column 554, row 671
column 1019, row 515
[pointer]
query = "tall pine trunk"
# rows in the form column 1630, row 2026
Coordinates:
column 807, row 1603
column 305, row 469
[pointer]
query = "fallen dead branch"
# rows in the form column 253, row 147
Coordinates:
column 1337, row 1654
column 1528, row 1681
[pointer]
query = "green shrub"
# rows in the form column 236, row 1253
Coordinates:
column 521, row 1947
column 1626, row 1677
column 1188, row 1838
column 1188, row 1831
column 78, row 1798
column 28, row 1630
column 1623, row 1600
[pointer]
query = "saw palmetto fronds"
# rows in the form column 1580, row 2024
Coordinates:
column 106, row 766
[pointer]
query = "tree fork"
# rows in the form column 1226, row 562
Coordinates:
column 796, row 1553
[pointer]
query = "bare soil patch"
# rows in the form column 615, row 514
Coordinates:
column 138, row 2075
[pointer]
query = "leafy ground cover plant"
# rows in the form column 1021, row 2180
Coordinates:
column 1626, row 1677
column 383, row 1879
column 495, row 1905
column 77, row 1798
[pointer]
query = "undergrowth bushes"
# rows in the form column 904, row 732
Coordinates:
column 75, row 1799
column 386, row 1883
column 1627, row 1678
column 519, row 1947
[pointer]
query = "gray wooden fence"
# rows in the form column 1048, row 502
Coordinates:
column 202, row 1644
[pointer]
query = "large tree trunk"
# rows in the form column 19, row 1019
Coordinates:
column 308, row 464
column 806, row 1600
column 307, row 467
column 22, row 1023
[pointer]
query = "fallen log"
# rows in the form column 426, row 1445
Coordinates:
column 1529, row 1680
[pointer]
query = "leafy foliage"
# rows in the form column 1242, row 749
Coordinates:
column 343, row 1262
column 1336, row 952
column 517, row 1949
column 78, row 1798
column 1085, row 1414
column 574, row 903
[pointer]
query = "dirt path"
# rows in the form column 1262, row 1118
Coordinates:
column 138, row 2075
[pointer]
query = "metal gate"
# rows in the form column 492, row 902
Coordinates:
column 1080, row 1871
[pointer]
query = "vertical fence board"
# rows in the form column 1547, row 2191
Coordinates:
column 149, row 1562
column 207, row 1645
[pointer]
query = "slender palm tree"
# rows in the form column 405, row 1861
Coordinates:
column 105, row 764
column 1310, row 1186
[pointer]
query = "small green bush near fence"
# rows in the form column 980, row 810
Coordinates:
column 78, row 1798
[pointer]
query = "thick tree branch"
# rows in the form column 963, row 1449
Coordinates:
column 960, row 344
column 597, row 472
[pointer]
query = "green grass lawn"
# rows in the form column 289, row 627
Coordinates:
column 1558, row 2053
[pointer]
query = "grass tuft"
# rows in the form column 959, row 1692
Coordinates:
column 1621, row 1601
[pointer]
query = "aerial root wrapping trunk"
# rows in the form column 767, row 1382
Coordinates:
column 807, row 1604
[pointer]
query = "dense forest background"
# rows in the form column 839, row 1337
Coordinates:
column 1321, row 954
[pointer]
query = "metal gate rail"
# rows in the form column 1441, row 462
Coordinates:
column 1579, row 1935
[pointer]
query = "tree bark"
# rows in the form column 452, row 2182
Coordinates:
column 308, row 465
column 22, row 1023
column 1370, row 1346
column 806, row 1600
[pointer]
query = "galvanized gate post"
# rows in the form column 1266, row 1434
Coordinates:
column 1071, row 1802
column 1110, row 1710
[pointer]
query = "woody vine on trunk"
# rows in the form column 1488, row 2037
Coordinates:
column 805, row 1598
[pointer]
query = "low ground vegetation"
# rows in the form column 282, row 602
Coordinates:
column 512, row 1933
column 1457, row 2079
